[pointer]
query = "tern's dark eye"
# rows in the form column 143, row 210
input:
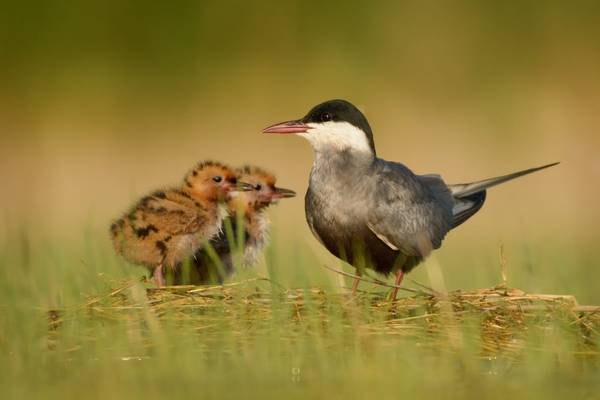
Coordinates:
column 258, row 186
column 217, row 179
column 326, row 117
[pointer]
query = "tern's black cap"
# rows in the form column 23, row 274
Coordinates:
column 340, row 111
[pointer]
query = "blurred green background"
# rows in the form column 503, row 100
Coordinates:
column 102, row 101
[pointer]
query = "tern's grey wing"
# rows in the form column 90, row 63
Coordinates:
column 469, row 197
column 411, row 213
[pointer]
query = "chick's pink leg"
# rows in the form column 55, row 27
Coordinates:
column 158, row 276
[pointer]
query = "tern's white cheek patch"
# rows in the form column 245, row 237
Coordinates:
column 336, row 135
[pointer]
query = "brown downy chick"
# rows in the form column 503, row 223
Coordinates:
column 168, row 226
column 252, row 205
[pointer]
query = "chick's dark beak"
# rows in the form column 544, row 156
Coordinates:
column 281, row 193
column 244, row 187
column 295, row 126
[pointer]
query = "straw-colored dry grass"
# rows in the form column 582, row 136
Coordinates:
column 497, row 319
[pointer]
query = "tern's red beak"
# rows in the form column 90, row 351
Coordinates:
column 287, row 127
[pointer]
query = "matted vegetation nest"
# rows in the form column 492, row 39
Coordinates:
column 500, row 320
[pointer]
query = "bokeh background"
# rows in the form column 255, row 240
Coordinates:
column 102, row 101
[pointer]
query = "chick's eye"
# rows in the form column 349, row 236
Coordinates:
column 326, row 117
column 217, row 179
column 258, row 186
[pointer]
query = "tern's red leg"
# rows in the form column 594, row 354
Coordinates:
column 355, row 286
column 399, row 277
column 158, row 276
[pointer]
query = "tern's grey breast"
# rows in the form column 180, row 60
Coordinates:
column 337, row 206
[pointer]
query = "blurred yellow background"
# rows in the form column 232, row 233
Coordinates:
column 103, row 101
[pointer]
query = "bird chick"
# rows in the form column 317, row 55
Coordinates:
column 168, row 226
column 247, row 209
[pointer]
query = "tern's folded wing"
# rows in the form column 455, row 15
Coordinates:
column 410, row 213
